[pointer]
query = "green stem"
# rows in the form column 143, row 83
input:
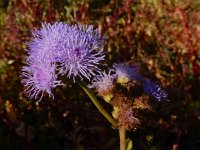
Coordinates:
column 122, row 136
column 97, row 104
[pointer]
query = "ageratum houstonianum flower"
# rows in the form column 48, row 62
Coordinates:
column 61, row 49
column 48, row 42
column 154, row 90
column 84, row 52
column 39, row 77
column 103, row 83
column 125, row 73
column 45, row 50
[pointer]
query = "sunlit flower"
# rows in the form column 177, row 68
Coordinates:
column 48, row 42
column 104, row 85
column 154, row 90
column 39, row 77
column 84, row 52
column 61, row 49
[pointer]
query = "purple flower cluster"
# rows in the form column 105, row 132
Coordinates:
column 61, row 49
column 104, row 82
column 124, row 73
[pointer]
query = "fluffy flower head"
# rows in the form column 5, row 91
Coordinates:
column 48, row 42
column 84, row 52
column 104, row 85
column 154, row 90
column 38, row 78
column 125, row 73
column 73, row 50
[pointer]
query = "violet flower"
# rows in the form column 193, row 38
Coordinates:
column 103, row 83
column 48, row 42
column 39, row 77
column 84, row 52
column 154, row 90
column 125, row 73
column 61, row 49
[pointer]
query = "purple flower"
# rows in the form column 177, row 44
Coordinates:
column 84, row 52
column 125, row 73
column 48, row 42
column 154, row 90
column 76, row 49
column 61, row 49
column 39, row 77
column 103, row 83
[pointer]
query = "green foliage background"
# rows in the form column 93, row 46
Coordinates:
column 161, row 36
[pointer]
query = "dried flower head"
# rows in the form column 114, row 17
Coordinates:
column 141, row 102
column 127, row 119
column 125, row 73
column 39, row 77
column 123, row 111
column 154, row 90
column 104, row 85
column 84, row 52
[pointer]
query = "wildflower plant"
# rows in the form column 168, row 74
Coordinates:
column 126, row 108
column 76, row 52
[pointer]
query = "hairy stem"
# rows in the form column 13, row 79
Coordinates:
column 97, row 103
column 122, row 136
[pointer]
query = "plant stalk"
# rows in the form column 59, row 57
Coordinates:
column 97, row 103
column 122, row 137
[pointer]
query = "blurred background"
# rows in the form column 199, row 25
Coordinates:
column 161, row 36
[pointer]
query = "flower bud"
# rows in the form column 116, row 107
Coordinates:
column 104, row 85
